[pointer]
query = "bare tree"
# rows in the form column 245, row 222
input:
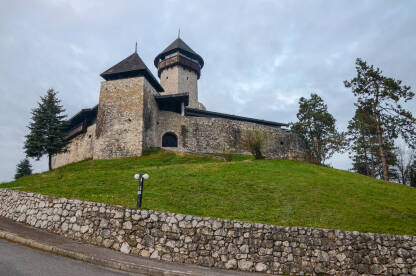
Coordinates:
column 405, row 160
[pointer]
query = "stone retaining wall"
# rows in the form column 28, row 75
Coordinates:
column 215, row 243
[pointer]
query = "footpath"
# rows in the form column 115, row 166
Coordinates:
column 49, row 242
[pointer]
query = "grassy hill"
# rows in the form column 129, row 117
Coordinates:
column 273, row 192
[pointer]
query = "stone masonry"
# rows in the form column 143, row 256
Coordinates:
column 136, row 112
column 80, row 148
column 120, row 119
column 178, row 79
column 215, row 243
column 216, row 135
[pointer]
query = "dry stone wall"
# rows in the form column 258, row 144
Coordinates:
column 215, row 243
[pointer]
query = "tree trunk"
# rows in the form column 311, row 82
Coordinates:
column 50, row 162
column 373, row 169
column 382, row 154
column 367, row 169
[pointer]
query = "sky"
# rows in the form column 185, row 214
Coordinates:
column 260, row 56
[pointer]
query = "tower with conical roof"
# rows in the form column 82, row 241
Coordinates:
column 179, row 68
column 129, row 87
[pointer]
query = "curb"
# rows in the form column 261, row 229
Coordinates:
column 123, row 266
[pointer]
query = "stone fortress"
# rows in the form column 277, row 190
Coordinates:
column 136, row 112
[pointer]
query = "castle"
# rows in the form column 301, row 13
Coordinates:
column 136, row 112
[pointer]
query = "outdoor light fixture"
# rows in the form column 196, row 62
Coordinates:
column 141, row 177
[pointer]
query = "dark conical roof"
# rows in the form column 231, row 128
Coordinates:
column 132, row 66
column 182, row 47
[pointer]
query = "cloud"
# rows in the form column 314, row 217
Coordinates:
column 260, row 56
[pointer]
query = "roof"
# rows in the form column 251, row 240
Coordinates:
column 79, row 122
column 132, row 66
column 203, row 113
column 172, row 102
column 86, row 113
column 183, row 48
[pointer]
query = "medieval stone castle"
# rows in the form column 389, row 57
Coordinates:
column 136, row 112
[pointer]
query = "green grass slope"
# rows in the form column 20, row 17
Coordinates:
column 273, row 192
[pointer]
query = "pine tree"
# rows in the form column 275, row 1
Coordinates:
column 363, row 140
column 316, row 126
column 384, row 96
column 23, row 168
column 47, row 128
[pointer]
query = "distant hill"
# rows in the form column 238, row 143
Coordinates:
column 274, row 192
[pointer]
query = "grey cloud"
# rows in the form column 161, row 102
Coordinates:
column 261, row 56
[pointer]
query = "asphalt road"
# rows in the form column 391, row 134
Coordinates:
column 18, row 260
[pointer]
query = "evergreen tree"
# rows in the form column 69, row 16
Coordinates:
column 363, row 140
column 384, row 96
column 23, row 168
column 47, row 128
column 316, row 126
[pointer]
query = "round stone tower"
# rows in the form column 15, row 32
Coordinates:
column 179, row 69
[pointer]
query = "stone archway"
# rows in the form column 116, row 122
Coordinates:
column 169, row 139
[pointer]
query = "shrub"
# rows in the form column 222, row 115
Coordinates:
column 254, row 141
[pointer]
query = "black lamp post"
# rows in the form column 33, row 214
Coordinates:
column 141, row 177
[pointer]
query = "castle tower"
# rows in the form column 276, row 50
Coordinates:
column 179, row 69
column 127, row 88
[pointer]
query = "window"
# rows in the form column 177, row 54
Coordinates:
column 169, row 140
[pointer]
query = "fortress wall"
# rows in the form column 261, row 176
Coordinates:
column 215, row 243
column 80, row 148
column 120, row 119
column 216, row 135
column 150, row 115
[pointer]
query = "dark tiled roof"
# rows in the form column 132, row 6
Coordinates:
column 79, row 123
column 132, row 66
column 182, row 47
column 203, row 113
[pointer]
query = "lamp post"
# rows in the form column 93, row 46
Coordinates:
column 141, row 177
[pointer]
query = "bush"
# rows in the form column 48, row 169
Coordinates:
column 254, row 141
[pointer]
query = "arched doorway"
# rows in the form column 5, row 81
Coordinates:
column 169, row 140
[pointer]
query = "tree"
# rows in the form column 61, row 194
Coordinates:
column 404, row 164
column 384, row 96
column 362, row 138
column 316, row 126
column 47, row 129
column 23, row 168
column 412, row 174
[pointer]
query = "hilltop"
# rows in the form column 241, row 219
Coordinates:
column 279, row 192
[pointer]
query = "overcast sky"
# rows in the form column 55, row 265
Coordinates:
column 260, row 56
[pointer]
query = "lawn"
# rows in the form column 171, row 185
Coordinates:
column 274, row 192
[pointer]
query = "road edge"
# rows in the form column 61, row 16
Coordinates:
column 123, row 266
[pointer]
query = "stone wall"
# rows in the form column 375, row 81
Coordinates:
column 120, row 119
column 178, row 79
column 150, row 116
column 80, row 148
column 215, row 243
column 215, row 135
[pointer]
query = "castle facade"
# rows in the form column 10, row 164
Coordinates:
column 136, row 112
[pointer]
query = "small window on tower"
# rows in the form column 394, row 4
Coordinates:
column 167, row 77
column 187, row 78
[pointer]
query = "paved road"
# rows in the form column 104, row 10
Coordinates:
column 18, row 260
